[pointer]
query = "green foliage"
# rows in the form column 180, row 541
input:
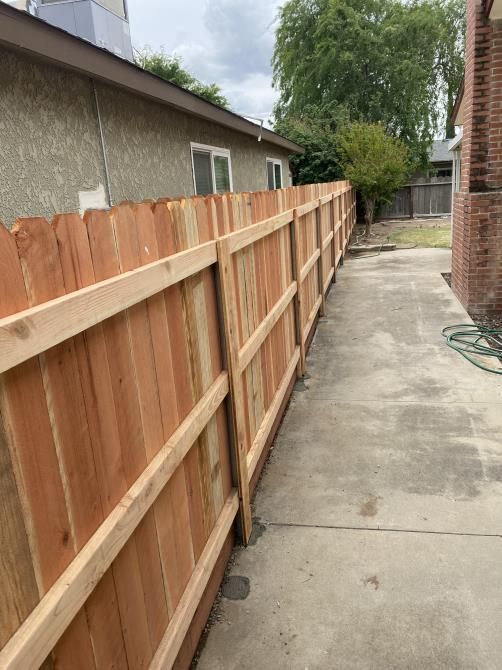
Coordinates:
column 375, row 162
column 382, row 61
column 315, row 130
column 171, row 69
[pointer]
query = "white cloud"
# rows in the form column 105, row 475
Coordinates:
column 229, row 42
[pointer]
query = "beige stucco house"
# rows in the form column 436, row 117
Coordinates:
column 81, row 127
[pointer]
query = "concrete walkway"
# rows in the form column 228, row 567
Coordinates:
column 378, row 545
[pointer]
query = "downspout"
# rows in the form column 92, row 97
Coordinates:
column 103, row 147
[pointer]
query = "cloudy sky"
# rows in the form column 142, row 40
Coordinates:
column 229, row 42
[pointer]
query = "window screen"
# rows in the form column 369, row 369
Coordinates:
column 202, row 172
column 221, row 174
column 270, row 175
column 212, row 169
column 274, row 174
column 278, row 175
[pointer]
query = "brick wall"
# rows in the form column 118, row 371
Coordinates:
column 477, row 214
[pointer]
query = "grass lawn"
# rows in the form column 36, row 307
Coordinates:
column 438, row 237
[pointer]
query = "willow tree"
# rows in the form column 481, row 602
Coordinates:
column 381, row 61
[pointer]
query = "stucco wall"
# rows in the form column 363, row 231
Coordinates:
column 50, row 146
column 49, row 140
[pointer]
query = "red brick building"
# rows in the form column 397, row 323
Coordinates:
column 477, row 213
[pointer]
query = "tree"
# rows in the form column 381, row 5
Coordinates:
column 314, row 130
column 375, row 162
column 170, row 68
column 382, row 61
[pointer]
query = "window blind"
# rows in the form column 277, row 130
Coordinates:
column 270, row 175
column 278, row 176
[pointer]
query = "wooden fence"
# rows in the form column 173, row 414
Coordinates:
column 431, row 196
column 146, row 356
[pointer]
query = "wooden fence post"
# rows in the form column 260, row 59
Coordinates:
column 345, row 222
column 231, row 333
column 296, row 300
column 320, row 266
column 333, row 228
column 299, row 302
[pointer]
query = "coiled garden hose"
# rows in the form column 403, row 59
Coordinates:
column 471, row 340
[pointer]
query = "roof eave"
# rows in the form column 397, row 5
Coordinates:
column 456, row 141
column 21, row 31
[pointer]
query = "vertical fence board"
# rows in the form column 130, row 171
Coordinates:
column 78, row 272
column 20, row 594
column 193, row 294
column 129, row 258
column 38, row 251
column 126, row 567
column 39, row 255
column 227, row 282
column 176, row 550
column 189, row 548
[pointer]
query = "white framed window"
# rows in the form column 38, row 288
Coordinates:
column 274, row 173
column 212, row 169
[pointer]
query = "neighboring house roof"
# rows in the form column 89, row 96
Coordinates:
column 29, row 34
column 440, row 152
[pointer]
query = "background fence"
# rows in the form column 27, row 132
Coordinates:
column 431, row 196
column 146, row 356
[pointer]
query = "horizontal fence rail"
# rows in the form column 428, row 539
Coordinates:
column 147, row 354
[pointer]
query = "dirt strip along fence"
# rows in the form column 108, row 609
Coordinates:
column 146, row 357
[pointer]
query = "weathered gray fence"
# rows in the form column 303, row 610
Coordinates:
column 426, row 197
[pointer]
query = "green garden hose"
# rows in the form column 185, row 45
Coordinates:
column 471, row 340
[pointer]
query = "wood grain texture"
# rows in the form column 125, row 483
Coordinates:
column 35, row 330
column 39, row 255
column 260, row 441
column 127, row 576
column 140, row 337
column 193, row 293
column 179, row 625
column 192, row 542
column 175, row 543
column 57, row 609
column 232, row 343
column 17, row 570
column 104, row 627
column 253, row 344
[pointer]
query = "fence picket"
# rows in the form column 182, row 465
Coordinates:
column 78, row 272
column 126, row 568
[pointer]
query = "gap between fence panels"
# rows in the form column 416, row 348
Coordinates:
column 268, row 296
